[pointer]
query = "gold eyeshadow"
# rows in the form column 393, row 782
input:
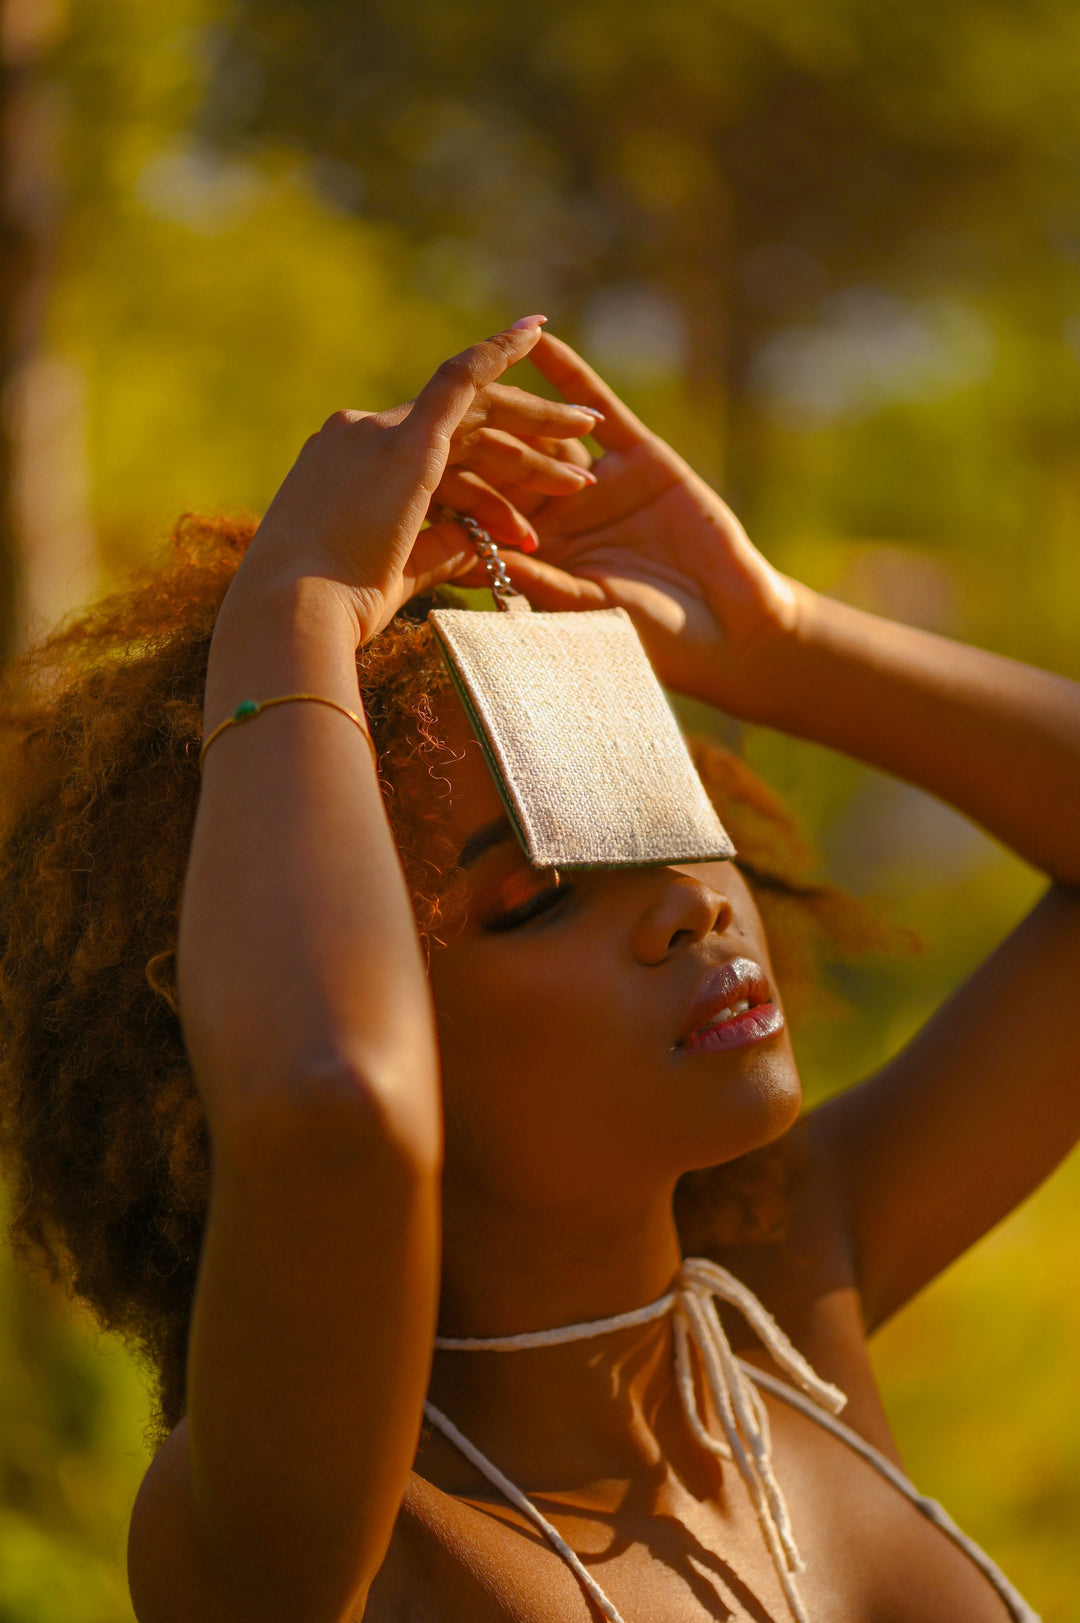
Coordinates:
column 515, row 889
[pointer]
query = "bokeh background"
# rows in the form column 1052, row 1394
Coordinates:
column 830, row 249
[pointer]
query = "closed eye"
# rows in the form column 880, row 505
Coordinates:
column 545, row 901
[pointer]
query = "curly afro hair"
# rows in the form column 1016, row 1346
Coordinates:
column 102, row 1132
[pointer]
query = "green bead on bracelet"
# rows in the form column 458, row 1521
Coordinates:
column 248, row 709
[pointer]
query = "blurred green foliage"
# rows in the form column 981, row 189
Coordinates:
column 832, row 253
column 72, row 1420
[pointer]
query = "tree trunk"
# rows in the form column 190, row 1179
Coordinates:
column 30, row 123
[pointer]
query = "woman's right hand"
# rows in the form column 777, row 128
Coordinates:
column 352, row 507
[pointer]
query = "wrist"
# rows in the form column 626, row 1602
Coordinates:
column 781, row 661
column 814, row 672
column 298, row 594
column 277, row 634
column 753, row 675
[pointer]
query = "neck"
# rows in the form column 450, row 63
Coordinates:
column 538, row 1270
column 575, row 1413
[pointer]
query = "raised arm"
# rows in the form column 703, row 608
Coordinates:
column 956, row 1130
column 979, row 1108
column 308, row 1021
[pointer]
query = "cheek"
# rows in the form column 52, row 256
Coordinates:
column 751, row 929
column 526, row 1065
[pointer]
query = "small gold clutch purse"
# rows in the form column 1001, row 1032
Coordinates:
column 586, row 754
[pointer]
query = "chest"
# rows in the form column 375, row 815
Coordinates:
column 664, row 1553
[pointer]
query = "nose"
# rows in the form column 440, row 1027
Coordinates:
column 679, row 910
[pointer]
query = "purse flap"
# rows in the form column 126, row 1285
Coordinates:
column 581, row 741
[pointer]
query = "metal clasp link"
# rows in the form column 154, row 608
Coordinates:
column 502, row 588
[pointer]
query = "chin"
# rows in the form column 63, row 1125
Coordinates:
column 744, row 1113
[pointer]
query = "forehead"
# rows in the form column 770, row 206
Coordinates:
column 473, row 800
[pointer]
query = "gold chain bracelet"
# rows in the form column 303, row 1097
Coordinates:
column 248, row 709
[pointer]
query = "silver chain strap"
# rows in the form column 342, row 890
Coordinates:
column 502, row 588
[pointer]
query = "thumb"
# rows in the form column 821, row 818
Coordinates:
column 439, row 554
column 553, row 589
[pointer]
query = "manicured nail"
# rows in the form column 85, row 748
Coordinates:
column 528, row 543
column 592, row 411
column 528, row 322
column 589, row 478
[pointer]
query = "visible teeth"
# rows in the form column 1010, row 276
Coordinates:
column 725, row 1015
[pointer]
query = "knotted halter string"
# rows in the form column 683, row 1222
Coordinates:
column 691, row 1303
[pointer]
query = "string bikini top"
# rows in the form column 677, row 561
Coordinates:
column 732, row 1385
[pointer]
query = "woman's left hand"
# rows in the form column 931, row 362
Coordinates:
column 651, row 537
column 508, row 454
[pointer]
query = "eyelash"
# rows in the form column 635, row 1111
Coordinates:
column 544, row 902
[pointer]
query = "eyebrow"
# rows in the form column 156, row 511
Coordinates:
column 484, row 839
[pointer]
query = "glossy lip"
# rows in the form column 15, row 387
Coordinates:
column 738, row 980
column 741, row 1031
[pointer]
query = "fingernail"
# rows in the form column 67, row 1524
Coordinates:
column 528, row 322
column 529, row 543
column 589, row 478
column 592, row 411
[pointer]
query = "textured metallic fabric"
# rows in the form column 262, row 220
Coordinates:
column 580, row 739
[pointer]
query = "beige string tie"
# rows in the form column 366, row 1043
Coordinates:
column 745, row 1441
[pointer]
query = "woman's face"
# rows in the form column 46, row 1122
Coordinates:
column 570, row 1015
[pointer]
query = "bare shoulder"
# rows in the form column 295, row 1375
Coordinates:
column 167, row 1570
column 449, row 1561
column 436, row 1567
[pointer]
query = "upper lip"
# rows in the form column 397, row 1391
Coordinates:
column 739, row 979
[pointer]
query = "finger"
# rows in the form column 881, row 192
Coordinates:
column 475, row 575
column 518, row 412
column 446, row 397
column 441, row 552
column 553, row 589
column 466, row 492
column 556, row 594
column 620, row 429
column 562, row 450
column 503, row 460
column 528, row 502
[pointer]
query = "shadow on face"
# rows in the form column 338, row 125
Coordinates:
column 563, row 1002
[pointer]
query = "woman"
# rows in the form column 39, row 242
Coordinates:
column 589, row 1041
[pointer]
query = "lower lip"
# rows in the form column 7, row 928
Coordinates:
column 741, row 1031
